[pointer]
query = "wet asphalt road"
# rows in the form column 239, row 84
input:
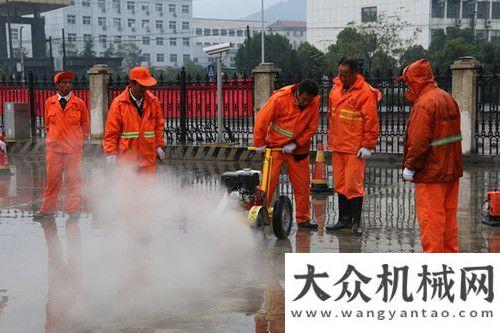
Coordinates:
column 85, row 276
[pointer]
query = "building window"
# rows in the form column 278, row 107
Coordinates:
column 199, row 44
column 86, row 20
column 159, row 40
column 131, row 23
column 482, row 35
column 117, row 23
column 145, row 24
column 223, row 32
column 146, row 57
column 495, row 13
column 495, row 35
column 117, row 6
column 206, row 32
column 185, row 41
column 101, row 21
column 131, row 5
column 186, row 58
column 102, row 39
column 368, row 14
column 185, row 25
column 160, row 57
column 173, row 58
column 14, row 33
column 87, row 37
column 158, row 7
column 145, row 40
column 231, row 32
column 239, row 33
column 437, row 8
column 172, row 25
column 199, row 32
column 72, row 38
column 85, row 3
column 483, row 10
column 101, row 4
column 118, row 39
column 467, row 9
column 453, row 10
column 185, row 9
column 171, row 8
column 159, row 24
column 173, row 41
column 71, row 19
column 145, row 9
column 215, row 32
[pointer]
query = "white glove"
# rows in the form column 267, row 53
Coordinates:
column 160, row 153
column 111, row 159
column 3, row 147
column 408, row 174
column 260, row 150
column 289, row 148
column 364, row 153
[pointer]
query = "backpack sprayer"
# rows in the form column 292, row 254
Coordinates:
column 493, row 200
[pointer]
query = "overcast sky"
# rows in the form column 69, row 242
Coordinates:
column 228, row 9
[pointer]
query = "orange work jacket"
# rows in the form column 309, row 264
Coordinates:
column 66, row 129
column 133, row 138
column 280, row 121
column 433, row 140
column 353, row 116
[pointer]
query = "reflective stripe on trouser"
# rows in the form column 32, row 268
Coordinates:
column 436, row 205
column 348, row 174
column 56, row 164
column 299, row 174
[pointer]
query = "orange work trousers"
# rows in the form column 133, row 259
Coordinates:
column 437, row 205
column 57, row 164
column 299, row 174
column 348, row 175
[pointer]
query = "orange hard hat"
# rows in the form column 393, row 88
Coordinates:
column 142, row 76
column 63, row 75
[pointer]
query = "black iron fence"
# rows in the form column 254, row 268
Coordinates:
column 487, row 115
column 190, row 108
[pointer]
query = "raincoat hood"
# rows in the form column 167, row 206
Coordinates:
column 418, row 75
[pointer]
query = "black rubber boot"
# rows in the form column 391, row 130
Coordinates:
column 345, row 215
column 357, row 210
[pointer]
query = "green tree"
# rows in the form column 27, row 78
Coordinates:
column 277, row 50
column 412, row 54
column 311, row 61
column 131, row 55
column 451, row 51
column 109, row 51
column 88, row 49
column 71, row 50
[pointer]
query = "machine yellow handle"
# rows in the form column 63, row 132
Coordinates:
column 252, row 148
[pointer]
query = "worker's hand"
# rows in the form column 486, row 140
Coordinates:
column 111, row 159
column 260, row 150
column 289, row 148
column 160, row 153
column 364, row 153
column 3, row 147
column 408, row 174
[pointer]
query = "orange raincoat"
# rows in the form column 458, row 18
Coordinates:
column 132, row 138
column 433, row 150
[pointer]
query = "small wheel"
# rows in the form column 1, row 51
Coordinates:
column 258, row 217
column 282, row 217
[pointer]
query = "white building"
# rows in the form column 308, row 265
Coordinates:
column 326, row 18
column 161, row 28
column 215, row 31
column 295, row 31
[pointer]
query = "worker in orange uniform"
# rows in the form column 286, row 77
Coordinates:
column 134, row 128
column 433, row 157
column 67, row 124
column 288, row 120
column 352, row 135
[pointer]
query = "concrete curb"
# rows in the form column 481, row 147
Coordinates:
column 224, row 153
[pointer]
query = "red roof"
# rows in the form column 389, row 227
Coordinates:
column 287, row 24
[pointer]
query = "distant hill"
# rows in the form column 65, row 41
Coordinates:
column 294, row 10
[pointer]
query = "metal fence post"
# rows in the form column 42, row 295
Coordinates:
column 31, row 88
column 183, row 124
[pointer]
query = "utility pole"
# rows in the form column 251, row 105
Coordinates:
column 63, row 51
column 50, row 47
column 262, row 33
column 249, row 54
